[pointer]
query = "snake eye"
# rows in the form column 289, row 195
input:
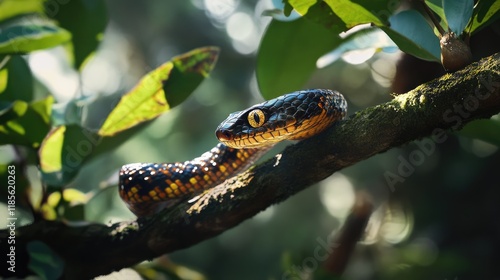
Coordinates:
column 256, row 118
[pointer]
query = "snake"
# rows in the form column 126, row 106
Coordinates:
column 147, row 188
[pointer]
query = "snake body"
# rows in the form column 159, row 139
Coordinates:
column 245, row 136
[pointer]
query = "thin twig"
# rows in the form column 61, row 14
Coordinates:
column 433, row 18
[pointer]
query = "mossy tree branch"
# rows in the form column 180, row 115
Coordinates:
column 443, row 104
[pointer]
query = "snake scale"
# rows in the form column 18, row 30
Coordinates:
column 244, row 137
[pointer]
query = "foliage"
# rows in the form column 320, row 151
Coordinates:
column 63, row 145
column 408, row 29
column 289, row 52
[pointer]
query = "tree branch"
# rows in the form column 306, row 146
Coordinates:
column 446, row 103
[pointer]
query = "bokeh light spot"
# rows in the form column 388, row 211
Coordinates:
column 239, row 26
column 337, row 195
column 220, row 9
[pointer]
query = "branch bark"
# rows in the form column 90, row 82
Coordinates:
column 446, row 103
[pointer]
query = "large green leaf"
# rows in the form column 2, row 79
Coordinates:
column 17, row 80
column 190, row 69
column 12, row 8
column 322, row 14
column 23, row 123
column 382, row 9
column 458, row 14
column 85, row 19
column 161, row 89
column 20, row 39
column 353, row 13
column 437, row 7
column 485, row 12
column 301, row 6
column 413, row 35
column 288, row 53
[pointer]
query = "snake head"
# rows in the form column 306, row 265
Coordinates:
column 293, row 116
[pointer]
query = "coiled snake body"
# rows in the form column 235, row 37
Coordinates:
column 245, row 136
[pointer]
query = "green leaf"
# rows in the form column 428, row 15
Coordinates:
column 23, row 123
column 458, row 14
column 145, row 102
column 12, row 8
column 190, row 69
column 413, row 35
column 66, row 148
column 485, row 12
column 436, row 6
column 353, row 13
column 288, row 53
column 43, row 261
column 161, row 89
column 43, row 108
column 301, row 6
column 85, row 19
column 487, row 130
column 20, row 39
column 18, row 80
column 287, row 10
column 63, row 151
column 322, row 14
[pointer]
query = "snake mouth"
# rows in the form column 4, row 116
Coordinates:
column 256, row 138
column 223, row 135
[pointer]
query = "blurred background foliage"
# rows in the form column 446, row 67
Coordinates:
column 438, row 221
